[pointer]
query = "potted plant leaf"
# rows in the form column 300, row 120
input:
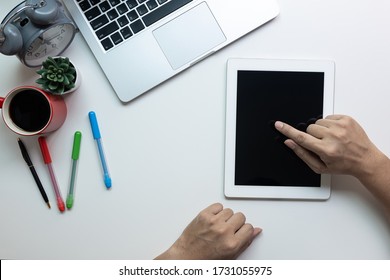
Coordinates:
column 58, row 75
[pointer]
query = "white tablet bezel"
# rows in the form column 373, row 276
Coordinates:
column 272, row 192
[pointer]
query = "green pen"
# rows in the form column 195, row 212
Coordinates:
column 75, row 157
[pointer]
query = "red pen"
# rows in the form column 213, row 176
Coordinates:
column 47, row 161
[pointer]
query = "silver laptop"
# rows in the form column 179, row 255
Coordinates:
column 141, row 43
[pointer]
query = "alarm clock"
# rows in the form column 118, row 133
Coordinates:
column 35, row 30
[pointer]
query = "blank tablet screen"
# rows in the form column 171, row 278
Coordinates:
column 263, row 97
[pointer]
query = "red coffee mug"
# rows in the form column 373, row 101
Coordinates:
column 29, row 110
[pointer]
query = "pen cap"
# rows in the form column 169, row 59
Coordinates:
column 76, row 145
column 94, row 125
column 24, row 152
column 44, row 150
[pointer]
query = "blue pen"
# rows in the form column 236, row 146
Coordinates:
column 97, row 137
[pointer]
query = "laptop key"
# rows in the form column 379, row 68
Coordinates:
column 151, row 4
column 84, row 5
column 126, row 32
column 123, row 21
column 92, row 13
column 107, row 44
column 112, row 14
column 116, row 38
column 122, row 8
column 99, row 22
column 142, row 10
column 105, row 6
column 163, row 11
column 107, row 30
column 137, row 26
column 132, row 4
column 132, row 15
column 94, row 2
column 114, row 2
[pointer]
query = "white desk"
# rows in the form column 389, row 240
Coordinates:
column 165, row 151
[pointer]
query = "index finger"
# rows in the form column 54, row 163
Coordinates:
column 301, row 138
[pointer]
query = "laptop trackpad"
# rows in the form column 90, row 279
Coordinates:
column 189, row 36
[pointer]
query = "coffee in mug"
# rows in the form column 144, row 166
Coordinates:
column 30, row 111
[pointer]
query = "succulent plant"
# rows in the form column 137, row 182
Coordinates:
column 58, row 75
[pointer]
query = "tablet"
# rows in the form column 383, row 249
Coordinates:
column 260, row 92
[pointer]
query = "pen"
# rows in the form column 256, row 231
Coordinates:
column 97, row 137
column 47, row 160
column 75, row 157
column 33, row 172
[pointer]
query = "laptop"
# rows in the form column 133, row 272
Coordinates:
column 142, row 43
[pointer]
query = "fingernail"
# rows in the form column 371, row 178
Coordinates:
column 290, row 144
column 278, row 125
column 257, row 231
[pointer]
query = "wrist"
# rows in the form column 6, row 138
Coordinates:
column 375, row 167
column 175, row 252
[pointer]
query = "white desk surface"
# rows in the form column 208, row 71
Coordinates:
column 165, row 151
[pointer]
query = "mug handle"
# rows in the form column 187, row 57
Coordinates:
column 1, row 102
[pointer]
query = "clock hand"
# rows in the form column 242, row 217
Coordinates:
column 47, row 41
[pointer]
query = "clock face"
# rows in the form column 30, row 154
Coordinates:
column 51, row 42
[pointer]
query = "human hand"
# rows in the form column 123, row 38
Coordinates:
column 336, row 144
column 215, row 233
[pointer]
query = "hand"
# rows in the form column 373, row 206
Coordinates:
column 336, row 144
column 215, row 233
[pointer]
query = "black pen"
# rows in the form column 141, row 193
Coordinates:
column 33, row 172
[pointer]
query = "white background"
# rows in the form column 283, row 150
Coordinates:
column 165, row 151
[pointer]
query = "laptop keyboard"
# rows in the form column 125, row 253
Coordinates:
column 115, row 21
